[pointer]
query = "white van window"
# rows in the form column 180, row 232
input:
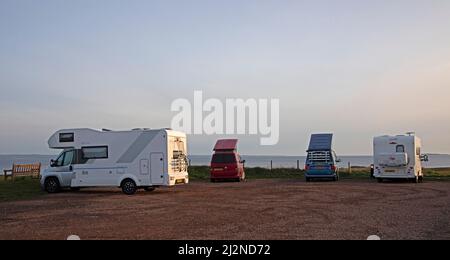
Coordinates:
column 98, row 152
column 400, row 148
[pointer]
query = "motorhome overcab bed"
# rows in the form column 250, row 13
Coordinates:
column 398, row 157
column 140, row 158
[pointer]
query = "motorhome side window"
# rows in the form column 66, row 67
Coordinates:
column 400, row 148
column 98, row 152
column 66, row 137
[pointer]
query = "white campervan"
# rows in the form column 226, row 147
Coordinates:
column 139, row 158
column 398, row 157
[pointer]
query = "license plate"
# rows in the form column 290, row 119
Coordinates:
column 180, row 181
column 390, row 171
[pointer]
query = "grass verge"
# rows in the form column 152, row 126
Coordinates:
column 22, row 188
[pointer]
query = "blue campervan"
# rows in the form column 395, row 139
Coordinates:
column 321, row 161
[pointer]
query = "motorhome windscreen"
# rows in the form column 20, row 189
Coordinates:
column 320, row 157
column 224, row 158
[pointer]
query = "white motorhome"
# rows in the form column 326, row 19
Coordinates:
column 139, row 158
column 398, row 157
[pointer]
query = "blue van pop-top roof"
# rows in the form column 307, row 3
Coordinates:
column 320, row 142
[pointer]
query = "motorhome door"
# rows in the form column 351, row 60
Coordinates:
column 157, row 168
column 63, row 166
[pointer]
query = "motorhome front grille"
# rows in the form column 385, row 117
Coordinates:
column 319, row 156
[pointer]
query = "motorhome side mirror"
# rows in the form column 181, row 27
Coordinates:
column 243, row 161
column 52, row 163
column 338, row 160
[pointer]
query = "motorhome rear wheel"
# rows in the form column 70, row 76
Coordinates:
column 129, row 187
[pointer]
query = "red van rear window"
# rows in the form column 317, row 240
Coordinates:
column 224, row 158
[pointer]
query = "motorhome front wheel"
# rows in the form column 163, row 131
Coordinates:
column 52, row 185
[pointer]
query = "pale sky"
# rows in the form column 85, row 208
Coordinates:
column 355, row 68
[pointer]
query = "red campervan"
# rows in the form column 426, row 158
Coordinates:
column 226, row 163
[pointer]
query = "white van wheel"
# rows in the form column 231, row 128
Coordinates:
column 129, row 187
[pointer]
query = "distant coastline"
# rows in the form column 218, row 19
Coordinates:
column 263, row 161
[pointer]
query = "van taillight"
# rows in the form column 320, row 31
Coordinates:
column 306, row 167
column 333, row 167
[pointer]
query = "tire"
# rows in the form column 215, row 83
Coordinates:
column 52, row 185
column 380, row 180
column 213, row 180
column 308, row 179
column 129, row 187
column 75, row 189
column 149, row 189
column 420, row 179
column 336, row 178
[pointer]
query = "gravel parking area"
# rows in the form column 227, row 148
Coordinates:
column 257, row 209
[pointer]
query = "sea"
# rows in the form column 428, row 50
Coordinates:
column 435, row 161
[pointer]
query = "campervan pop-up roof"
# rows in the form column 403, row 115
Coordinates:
column 320, row 142
column 226, row 145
